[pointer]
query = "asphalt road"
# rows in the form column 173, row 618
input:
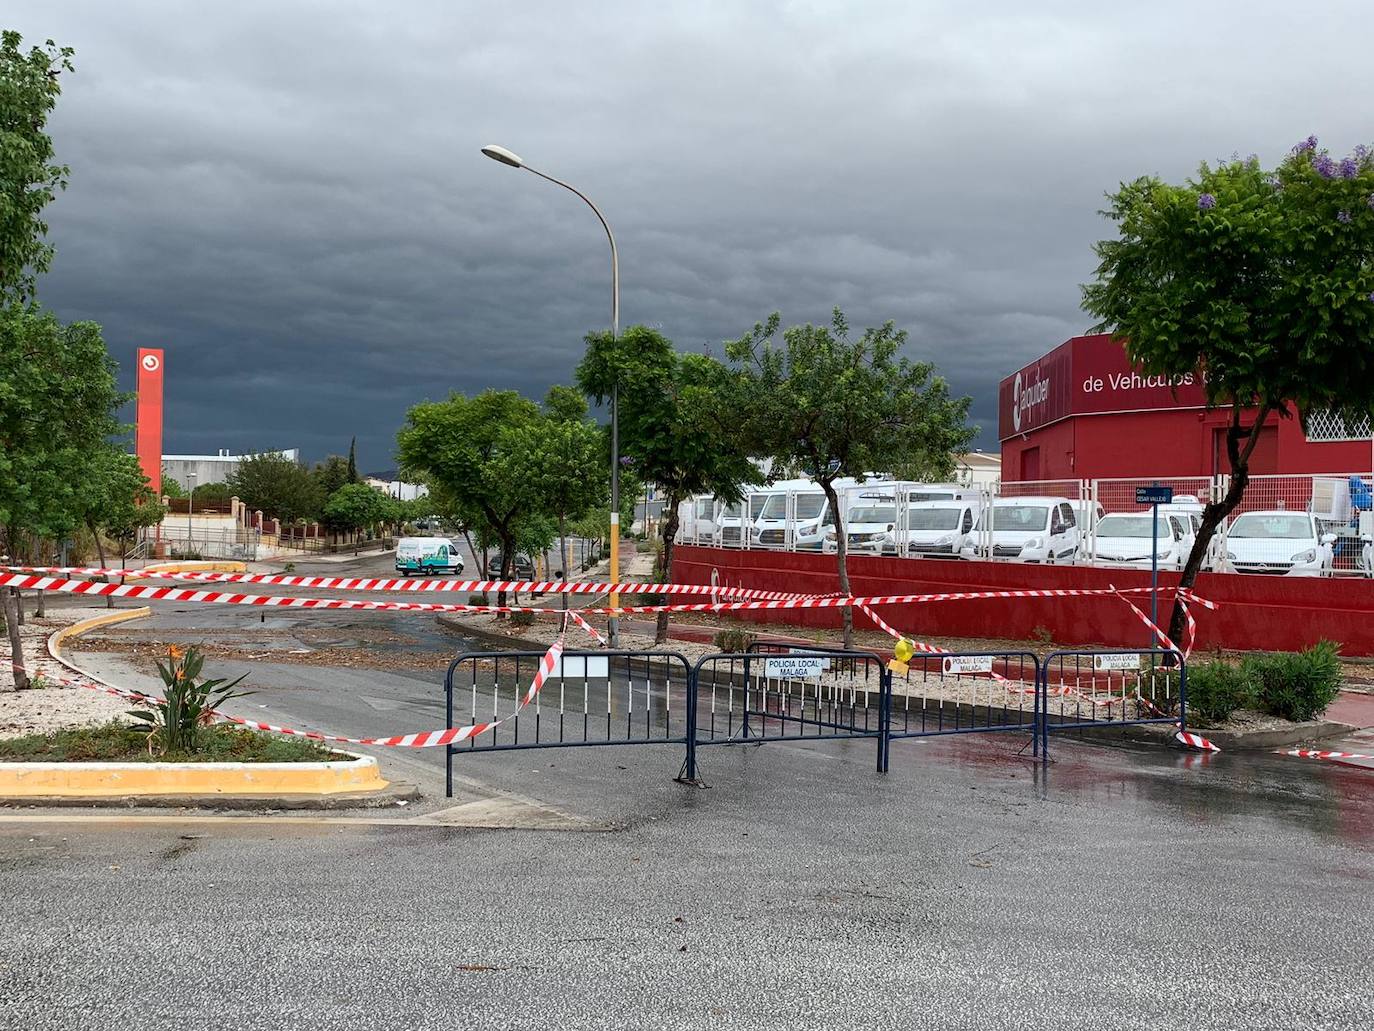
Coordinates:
column 1122, row 887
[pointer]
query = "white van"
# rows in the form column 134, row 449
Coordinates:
column 810, row 514
column 933, row 529
column 1029, row 529
column 871, row 517
column 735, row 522
column 427, row 555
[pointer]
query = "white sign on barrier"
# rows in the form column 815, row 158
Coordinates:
column 794, row 668
column 968, row 664
column 583, row 667
column 825, row 663
column 1130, row 660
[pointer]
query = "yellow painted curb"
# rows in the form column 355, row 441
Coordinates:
column 104, row 780
column 77, row 629
column 204, row 566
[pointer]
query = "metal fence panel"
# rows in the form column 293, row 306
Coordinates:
column 965, row 693
column 1094, row 689
column 593, row 698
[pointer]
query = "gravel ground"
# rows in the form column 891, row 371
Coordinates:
column 54, row 706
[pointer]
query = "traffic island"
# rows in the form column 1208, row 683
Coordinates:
column 58, row 769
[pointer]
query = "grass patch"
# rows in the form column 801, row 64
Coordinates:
column 116, row 742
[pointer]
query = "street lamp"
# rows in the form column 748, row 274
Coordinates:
column 190, row 506
column 506, row 157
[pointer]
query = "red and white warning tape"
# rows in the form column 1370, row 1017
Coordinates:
column 404, row 584
column 1336, row 757
column 418, row 739
column 1191, row 740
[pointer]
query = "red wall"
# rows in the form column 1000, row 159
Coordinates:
column 1257, row 612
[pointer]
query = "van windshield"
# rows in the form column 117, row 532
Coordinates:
column 808, row 506
column 1129, row 526
column 933, row 518
column 916, row 496
column 873, row 514
column 1019, row 517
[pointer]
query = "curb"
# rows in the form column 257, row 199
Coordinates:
column 202, row 566
column 81, row 782
column 55, row 641
column 355, row 781
column 393, row 794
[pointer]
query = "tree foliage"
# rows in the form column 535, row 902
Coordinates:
column 563, row 457
column 356, row 506
column 819, row 403
column 29, row 177
column 465, row 449
column 331, row 474
column 119, row 499
column 278, row 486
column 676, row 423
column 1260, row 281
column 57, row 405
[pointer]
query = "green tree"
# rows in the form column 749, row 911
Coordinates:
column 172, row 489
column 563, row 457
column 676, row 424
column 29, row 177
column 1260, row 281
column 279, row 486
column 119, row 499
column 831, row 407
column 331, row 474
column 356, row 506
column 352, row 470
column 464, row 449
column 57, row 405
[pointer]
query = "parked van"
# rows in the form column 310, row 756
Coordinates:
column 735, row 522
column 871, row 517
column 933, row 529
column 811, row 515
column 1032, row 529
column 427, row 555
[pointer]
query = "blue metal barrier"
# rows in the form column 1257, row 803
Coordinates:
column 781, row 692
column 967, row 693
column 1093, row 690
column 593, row 698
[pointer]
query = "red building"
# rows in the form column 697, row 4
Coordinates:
column 1082, row 412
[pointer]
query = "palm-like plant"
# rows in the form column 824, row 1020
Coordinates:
column 187, row 702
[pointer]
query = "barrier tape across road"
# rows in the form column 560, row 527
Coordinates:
column 42, row 578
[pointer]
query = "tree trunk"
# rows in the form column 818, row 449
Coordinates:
column 100, row 551
column 507, row 564
column 9, row 605
column 841, row 553
column 1216, row 511
column 563, row 546
column 669, row 533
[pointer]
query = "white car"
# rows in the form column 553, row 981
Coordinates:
column 1280, row 542
column 1029, row 530
column 812, row 521
column 935, row 529
column 1123, row 540
column 865, row 529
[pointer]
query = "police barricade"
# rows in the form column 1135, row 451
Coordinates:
column 1094, row 690
column 967, row 693
column 788, row 693
column 590, row 698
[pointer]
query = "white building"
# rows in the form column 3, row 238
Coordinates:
column 215, row 468
column 398, row 489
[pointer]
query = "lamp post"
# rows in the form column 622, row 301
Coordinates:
column 190, row 507
column 506, row 157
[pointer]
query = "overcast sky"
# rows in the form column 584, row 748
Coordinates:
column 289, row 197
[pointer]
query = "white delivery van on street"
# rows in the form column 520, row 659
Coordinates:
column 427, row 555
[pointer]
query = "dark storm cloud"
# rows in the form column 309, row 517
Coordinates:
column 290, row 199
